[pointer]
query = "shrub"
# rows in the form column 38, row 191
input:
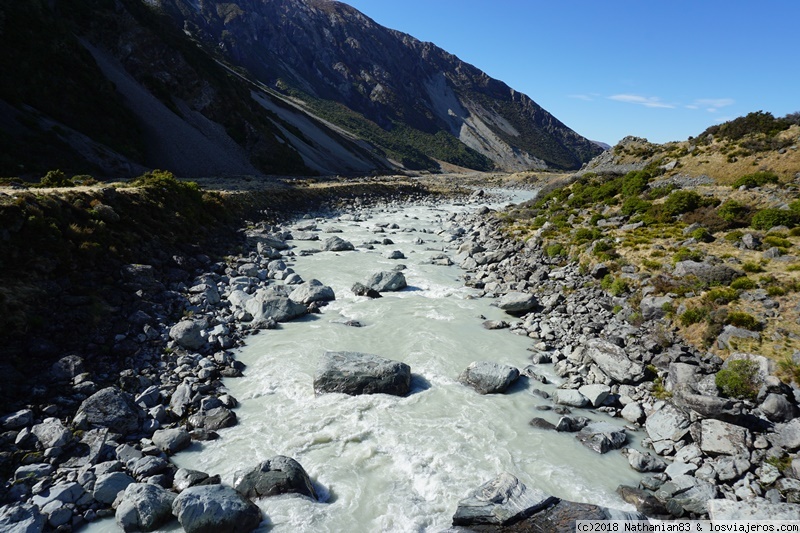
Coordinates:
column 756, row 179
column 685, row 254
column 769, row 218
column 775, row 240
column 618, row 287
column 680, row 202
column 693, row 316
column 555, row 250
column 743, row 284
column 55, row 178
column 702, row 235
column 752, row 267
column 740, row 319
column 660, row 192
column 583, row 235
column 739, row 380
column 756, row 122
column 634, row 183
column 731, row 210
column 634, row 205
column 722, row 295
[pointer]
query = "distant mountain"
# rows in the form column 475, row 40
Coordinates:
column 111, row 87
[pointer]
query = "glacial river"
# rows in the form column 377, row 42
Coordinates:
column 384, row 463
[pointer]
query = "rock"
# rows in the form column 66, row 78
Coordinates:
column 633, row 412
column 488, row 378
column 571, row 424
column 501, row 501
column 147, row 466
column 678, row 468
column 516, row 302
column 188, row 334
column 570, row 397
column 643, row 462
column 654, row 307
column 394, row 254
column 495, row 324
column 708, row 406
column 359, row 289
column 695, row 498
column 108, row 486
column 51, row 433
column 171, row 441
column 33, row 472
column 667, row 423
column 644, row 501
column 66, row 368
column 181, row 399
column 707, row 273
column 788, row 435
column 185, row 478
column 279, row 475
column 541, row 423
column 267, row 304
column 613, row 361
column 755, row 509
column 777, row 408
column 21, row 518
column 215, row 509
column 110, row 408
column 602, row 437
column 599, row 271
column 729, row 468
column 213, row 419
column 596, row 394
column 386, row 281
column 730, row 333
column 336, row 244
column 17, row 419
column 312, row 291
column 64, row 492
column 144, row 507
column 722, row 438
column 360, row 373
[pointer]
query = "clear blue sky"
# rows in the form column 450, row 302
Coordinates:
column 659, row 69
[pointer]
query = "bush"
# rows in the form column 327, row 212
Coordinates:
column 769, row 218
column 743, row 320
column 693, row 316
column 722, row 295
column 634, row 205
column 702, row 235
column 55, row 178
column 756, row 179
column 739, row 380
column 743, row 284
column 680, row 202
column 583, row 235
column 555, row 250
column 756, row 122
column 752, row 267
column 775, row 240
column 685, row 254
column 731, row 210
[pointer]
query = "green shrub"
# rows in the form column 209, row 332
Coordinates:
column 756, row 179
column 634, row 205
column 740, row 319
column 634, row 183
column 755, row 122
column 660, row 192
column 739, row 380
column 555, row 250
column 693, row 316
column 583, row 235
column 685, row 254
column 722, row 295
column 775, row 290
column 702, row 235
column 680, row 202
column 752, row 267
column 55, row 178
column 734, row 236
column 775, row 240
column 618, row 287
column 731, row 210
column 743, row 284
column 769, row 218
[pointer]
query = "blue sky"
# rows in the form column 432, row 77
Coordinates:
column 664, row 70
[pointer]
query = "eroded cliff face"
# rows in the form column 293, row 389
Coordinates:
column 326, row 50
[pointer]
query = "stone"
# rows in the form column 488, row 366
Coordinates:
column 570, row 397
column 678, row 468
column 754, row 509
column 708, row 406
column 633, row 412
column 643, row 462
column 144, row 507
column 386, row 281
column 541, row 423
column 726, row 339
column 356, row 373
column 213, row 419
column 189, row 334
column 185, row 478
column 33, row 472
column 487, row 377
column 667, row 423
column 777, row 408
column 695, row 498
column 729, row 468
column 602, row 437
column 171, row 441
column 110, row 408
column 21, row 518
column 52, row 433
column 596, row 394
column 501, row 501
column 181, row 399
column 613, row 361
column 571, row 424
column 312, row 291
column 336, row 244
column 108, row 486
column 789, row 435
column 17, row 419
column 64, row 492
column 215, row 509
column 721, row 438
column 654, row 307
column 707, row 273
column 644, row 501
column 147, row 466
column 516, row 302
column 66, row 368
column 267, row 304
column 359, row 289
column 279, row 475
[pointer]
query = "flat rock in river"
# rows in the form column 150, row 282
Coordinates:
column 361, row 373
column 386, row 281
column 501, row 501
column 279, row 475
column 488, row 378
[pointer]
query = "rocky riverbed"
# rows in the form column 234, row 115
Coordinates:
column 701, row 454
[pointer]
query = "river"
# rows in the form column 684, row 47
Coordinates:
column 384, row 463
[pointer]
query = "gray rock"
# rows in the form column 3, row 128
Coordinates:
column 633, row 412
column 488, row 378
column 501, row 501
column 754, row 509
column 215, row 509
column 570, row 397
column 643, row 500
column 602, row 437
column 643, row 462
column 147, row 466
column 266, row 304
column 729, row 468
column 279, row 475
column 707, row 273
column 213, row 419
column 188, row 334
column 181, row 399
column 789, row 435
column 731, row 333
column 185, row 478
column 360, row 373
column 17, row 419
column 708, row 406
column 110, row 408
column 721, row 438
column 66, row 368
column 613, row 361
column 21, row 518
column 386, row 281
column 394, row 254
column 777, row 408
column 64, row 492
column 33, row 472
column 52, row 433
column 696, row 497
column 144, row 507
column 596, row 394
column 679, row 468
column 171, row 440
column 312, row 291
column 667, row 423
column 654, row 307
column 571, row 424
column 336, row 244
column 516, row 302
column 108, row 486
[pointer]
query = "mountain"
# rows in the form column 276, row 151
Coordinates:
column 112, row 87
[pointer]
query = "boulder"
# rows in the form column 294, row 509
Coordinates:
column 777, row 408
column 185, row 478
column 693, row 499
column 501, row 501
column 571, row 424
column 721, row 438
column 144, row 507
column 312, row 291
column 602, row 437
column 667, row 423
column 279, row 475
column 613, row 361
column 21, row 518
column 215, row 509
column 644, row 462
column 754, row 509
column 708, row 406
column 731, row 333
column 51, row 433
column 360, row 373
column 596, row 393
column 66, row 368
column 213, row 419
column 386, row 281
column 108, row 486
column 570, row 397
column 516, row 302
column 654, row 307
column 359, row 289
column 789, row 435
column 171, row 441
column 110, row 408
column 267, row 304
column 488, row 378
column 17, row 419
column 188, row 334
column 633, row 412
column 706, row 272
column 643, row 500
column 336, row 244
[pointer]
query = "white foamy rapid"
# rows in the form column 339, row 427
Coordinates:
column 383, row 463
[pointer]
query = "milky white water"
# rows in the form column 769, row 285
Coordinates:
column 384, row 463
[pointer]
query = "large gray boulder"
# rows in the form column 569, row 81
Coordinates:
column 387, row 281
column 789, row 435
column 144, row 507
column 777, row 408
column 706, row 272
column 267, row 304
column 336, row 244
column 644, row 462
column 185, row 478
column 570, row 397
column 721, row 438
column 189, row 334
column 488, row 378
column 516, row 302
column 602, row 437
column 172, row 440
column 279, row 475
column 613, row 361
column 361, row 373
column 51, row 433
column 108, row 486
column 693, row 494
column 215, row 509
column 501, row 501
column 654, row 307
column 312, row 291
column 755, row 509
column 21, row 518
column 213, row 419
column 110, row 408
column 667, row 423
